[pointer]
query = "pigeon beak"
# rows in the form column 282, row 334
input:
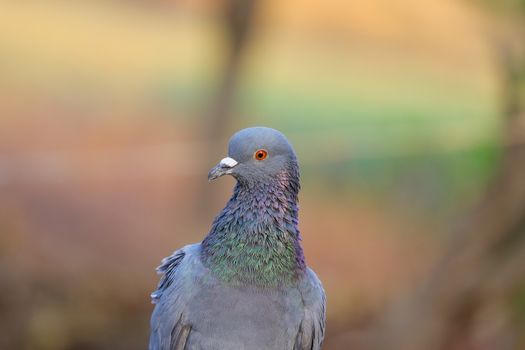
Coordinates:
column 224, row 167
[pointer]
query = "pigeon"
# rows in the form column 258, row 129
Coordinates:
column 246, row 286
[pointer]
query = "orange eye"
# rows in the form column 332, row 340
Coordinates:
column 260, row 154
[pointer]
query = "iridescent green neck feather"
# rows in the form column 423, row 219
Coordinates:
column 255, row 239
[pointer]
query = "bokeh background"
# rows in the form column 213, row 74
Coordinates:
column 403, row 114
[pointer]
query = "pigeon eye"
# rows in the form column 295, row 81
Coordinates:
column 260, row 154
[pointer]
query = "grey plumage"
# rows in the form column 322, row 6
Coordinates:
column 246, row 287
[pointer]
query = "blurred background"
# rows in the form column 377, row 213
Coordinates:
column 407, row 117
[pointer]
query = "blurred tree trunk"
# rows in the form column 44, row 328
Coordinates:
column 238, row 19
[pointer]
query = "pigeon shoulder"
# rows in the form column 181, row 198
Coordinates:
column 312, row 328
column 311, row 288
column 174, row 268
column 175, row 289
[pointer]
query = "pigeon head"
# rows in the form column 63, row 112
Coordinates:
column 257, row 155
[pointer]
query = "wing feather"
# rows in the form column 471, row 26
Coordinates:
column 168, row 328
column 311, row 331
column 167, row 269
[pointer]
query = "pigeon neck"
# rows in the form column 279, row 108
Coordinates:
column 255, row 238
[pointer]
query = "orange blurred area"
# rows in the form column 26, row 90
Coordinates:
column 105, row 114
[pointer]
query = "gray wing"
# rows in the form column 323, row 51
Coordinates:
column 311, row 330
column 169, row 331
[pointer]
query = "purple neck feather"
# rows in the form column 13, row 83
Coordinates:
column 255, row 238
